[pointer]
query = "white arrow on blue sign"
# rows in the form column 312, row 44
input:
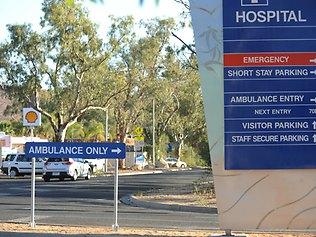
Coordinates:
column 87, row 150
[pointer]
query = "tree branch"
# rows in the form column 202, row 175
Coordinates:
column 186, row 5
column 186, row 45
column 172, row 113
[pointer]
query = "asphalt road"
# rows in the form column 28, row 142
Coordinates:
column 90, row 202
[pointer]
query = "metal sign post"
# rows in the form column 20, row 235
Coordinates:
column 154, row 133
column 31, row 119
column 115, row 226
column 32, row 223
column 106, row 136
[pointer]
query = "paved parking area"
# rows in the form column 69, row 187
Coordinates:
column 91, row 202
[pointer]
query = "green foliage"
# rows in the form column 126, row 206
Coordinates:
column 94, row 131
column 139, row 63
column 75, row 132
column 162, row 146
column 86, row 131
column 6, row 126
column 13, row 128
column 192, row 158
column 45, row 130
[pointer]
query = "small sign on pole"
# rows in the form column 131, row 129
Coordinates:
column 31, row 117
column 139, row 134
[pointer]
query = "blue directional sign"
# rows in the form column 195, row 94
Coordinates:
column 269, row 84
column 87, row 150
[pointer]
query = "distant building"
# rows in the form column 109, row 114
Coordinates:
column 9, row 144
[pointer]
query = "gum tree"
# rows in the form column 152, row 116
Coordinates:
column 62, row 71
column 139, row 64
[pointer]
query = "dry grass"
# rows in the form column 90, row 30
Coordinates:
column 183, row 199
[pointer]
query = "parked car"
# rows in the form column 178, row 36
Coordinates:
column 62, row 168
column 95, row 164
column 18, row 164
column 174, row 162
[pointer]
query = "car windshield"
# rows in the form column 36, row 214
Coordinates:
column 57, row 159
column 10, row 157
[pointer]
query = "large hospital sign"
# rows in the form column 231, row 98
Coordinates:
column 269, row 84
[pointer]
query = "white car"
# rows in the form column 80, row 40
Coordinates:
column 18, row 164
column 174, row 162
column 62, row 168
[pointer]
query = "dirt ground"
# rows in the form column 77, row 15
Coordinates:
column 124, row 231
column 183, row 199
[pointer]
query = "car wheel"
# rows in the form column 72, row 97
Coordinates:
column 75, row 177
column 13, row 172
column 46, row 179
column 88, row 175
column 182, row 166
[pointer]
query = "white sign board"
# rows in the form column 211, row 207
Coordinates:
column 31, row 117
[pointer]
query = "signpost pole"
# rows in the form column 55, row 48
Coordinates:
column 32, row 224
column 115, row 225
column 32, row 118
column 33, row 194
column 154, row 134
column 106, row 136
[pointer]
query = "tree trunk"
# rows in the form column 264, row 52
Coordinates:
column 120, row 138
column 181, row 145
column 180, row 149
column 60, row 135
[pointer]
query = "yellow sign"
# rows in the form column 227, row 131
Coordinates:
column 138, row 131
column 31, row 117
column 139, row 138
column 138, row 134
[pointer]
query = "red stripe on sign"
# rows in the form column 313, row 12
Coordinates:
column 269, row 59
